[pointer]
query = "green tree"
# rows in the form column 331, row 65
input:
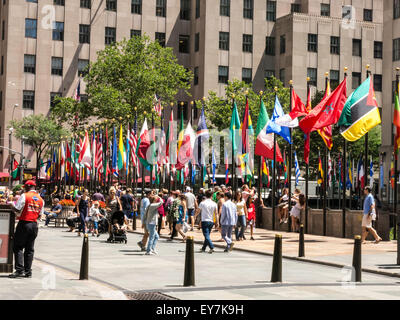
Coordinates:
column 39, row 132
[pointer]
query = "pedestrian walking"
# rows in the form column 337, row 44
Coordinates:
column 82, row 207
column 113, row 204
column 251, row 215
column 368, row 216
column 143, row 207
column 151, row 220
column 283, row 206
column 228, row 221
column 295, row 213
column 28, row 208
column 208, row 209
column 242, row 214
column 191, row 206
column 127, row 203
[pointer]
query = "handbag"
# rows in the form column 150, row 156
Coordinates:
column 186, row 227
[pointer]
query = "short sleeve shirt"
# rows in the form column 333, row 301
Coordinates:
column 369, row 200
column 208, row 207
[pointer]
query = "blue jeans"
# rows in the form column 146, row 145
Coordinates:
column 206, row 227
column 49, row 215
column 226, row 234
column 82, row 217
column 153, row 237
column 241, row 222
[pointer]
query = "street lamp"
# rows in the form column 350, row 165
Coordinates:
column 11, row 155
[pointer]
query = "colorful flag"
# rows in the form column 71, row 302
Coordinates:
column 121, row 151
column 326, row 132
column 15, row 169
column 298, row 107
column 214, row 166
column 272, row 127
column 371, row 174
column 114, row 155
column 349, row 176
column 360, row 173
column 396, row 119
column 85, row 158
column 143, row 144
column 226, row 168
column 320, row 171
column 392, row 174
column 329, row 174
column 202, row 135
column 77, row 95
column 307, row 135
column 157, row 105
column 265, row 172
column 296, row 169
column 235, row 125
column 185, row 152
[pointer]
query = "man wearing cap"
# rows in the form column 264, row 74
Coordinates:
column 29, row 207
column 191, row 206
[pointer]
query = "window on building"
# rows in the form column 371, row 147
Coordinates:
column 325, row 9
column 282, row 75
column 83, row 67
column 30, row 28
column 34, row 1
column 196, row 42
column 196, row 76
column 184, row 44
column 378, row 49
column 109, row 35
column 84, row 33
column 295, row 7
column 367, row 15
column 269, row 74
column 84, row 98
column 160, row 37
column 225, row 8
column 248, row 9
column 247, row 43
column 86, row 4
column 3, row 27
column 197, row 9
column 271, row 10
column 136, row 33
column 312, row 42
column 29, row 63
column 2, row 65
column 270, row 46
column 1, row 101
column 59, row 2
column 378, row 82
column 58, row 31
column 283, row 44
column 356, row 80
column 247, row 75
column 56, row 66
column 335, row 45
column 53, row 96
column 185, row 10
column 224, row 40
column 312, row 74
column 396, row 49
column 396, row 9
column 161, row 8
column 111, row 5
column 28, row 99
column 136, row 6
column 223, row 74
column 334, row 78
column 357, row 47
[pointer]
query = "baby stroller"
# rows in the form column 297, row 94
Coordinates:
column 117, row 233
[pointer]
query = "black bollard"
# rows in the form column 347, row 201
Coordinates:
column 301, row 241
column 84, row 273
column 134, row 221
column 277, row 262
column 189, row 263
column 357, row 259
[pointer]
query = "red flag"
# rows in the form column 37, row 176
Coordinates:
column 327, row 112
column 307, row 136
column 298, row 107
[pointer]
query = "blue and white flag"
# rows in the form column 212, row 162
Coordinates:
column 296, row 168
column 114, row 155
column 214, row 166
column 382, row 177
column 273, row 127
column 371, row 174
column 202, row 134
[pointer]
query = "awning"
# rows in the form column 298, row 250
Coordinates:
column 4, row 175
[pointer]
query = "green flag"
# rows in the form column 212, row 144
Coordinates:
column 234, row 127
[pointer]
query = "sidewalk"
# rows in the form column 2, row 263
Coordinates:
column 377, row 258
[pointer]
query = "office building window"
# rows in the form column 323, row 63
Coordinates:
column 223, row 74
column 84, row 33
column 325, row 9
column 295, row 7
column 225, row 8
column 396, row 49
column 247, row 75
column 356, row 80
column 58, row 31
column 111, row 5
column 53, row 96
column 196, row 76
column 312, row 74
column 312, row 42
column 269, row 73
column 136, row 33
column 378, row 82
column 282, row 75
column 378, row 49
column 357, row 47
column 247, row 43
column 136, row 6
column 396, row 9
column 84, row 98
column 2, row 65
column 56, row 66
column 160, row 37
column 224, row 40
column 28, row 99
column 185, row 10
column 59, row 2
column 248, row 9
column 196, row 42
column 283, row 44
column 30, row 28
column 161, row 8
column 3, row 30
column 109, row 35
column 1, row 101
column 184, row 44
column 334, row 78
column 86, row 4
column 197, row 9
column 270, row 46
column 29, row 63
column 34, row 1
column 335, row 45
column 271, row 10
column 83, row 67
column 367, row 15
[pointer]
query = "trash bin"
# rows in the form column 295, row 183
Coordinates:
column 7, row 222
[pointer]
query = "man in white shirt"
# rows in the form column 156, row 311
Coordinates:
column 228, row 221
column 207, row 208
column 191, row 203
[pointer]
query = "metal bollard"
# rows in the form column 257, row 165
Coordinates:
column 84, row 273
column 189, row 263
column 277, row 261
column 301, row 241
column 134, row 221
column 357, row 259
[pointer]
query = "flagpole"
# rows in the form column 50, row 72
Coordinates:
column 260, row 174
column 137, row 161
column 290, row 157
column 396, row 173
column 325, row 170
column 274, row 175
column 366, row 142
column 307, row 168
column 233, row 173
column 344, row 179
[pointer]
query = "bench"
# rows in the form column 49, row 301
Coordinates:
column 61, row 219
